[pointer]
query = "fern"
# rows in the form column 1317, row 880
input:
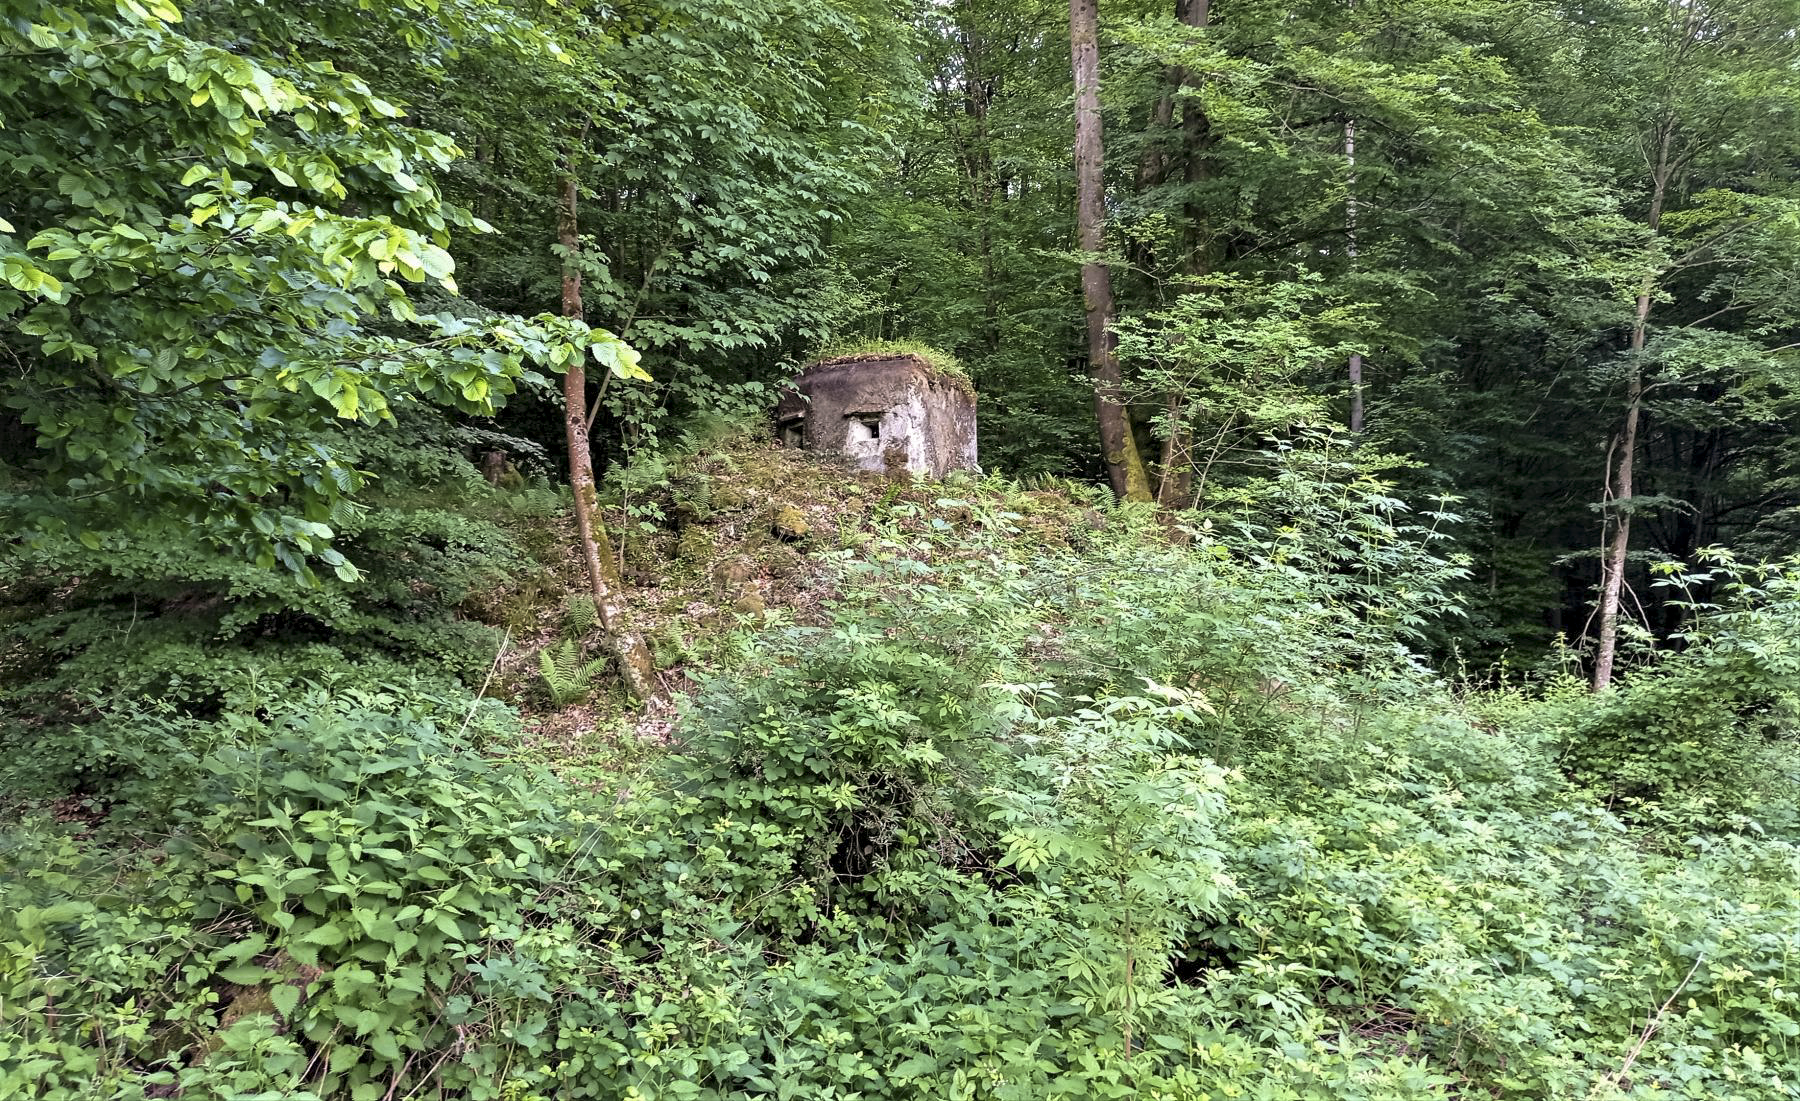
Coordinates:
column 568, row 678
column 670, row 647
column 579, row 615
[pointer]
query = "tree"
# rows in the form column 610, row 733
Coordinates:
column 636, row 669
column 214, row 251
column 1710, row 111
column 1118, row 445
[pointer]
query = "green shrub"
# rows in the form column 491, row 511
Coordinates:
column 343, row 879
column 1706, row 736
column 1133, row 820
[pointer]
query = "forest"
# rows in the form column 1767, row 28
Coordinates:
column 1363, row 664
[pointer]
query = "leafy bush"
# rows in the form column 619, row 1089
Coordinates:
column 1094, row 813
column 319, row 895
column 1706, row 735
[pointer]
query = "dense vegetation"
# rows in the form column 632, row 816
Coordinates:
column 1369, row 667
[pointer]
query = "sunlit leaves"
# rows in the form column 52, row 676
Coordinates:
column 218, row 240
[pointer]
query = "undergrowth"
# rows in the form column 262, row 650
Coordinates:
column 1049, row 801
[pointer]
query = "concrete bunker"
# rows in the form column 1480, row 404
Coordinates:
column 882, row 412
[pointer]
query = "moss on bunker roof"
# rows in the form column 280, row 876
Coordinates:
column 937, row 364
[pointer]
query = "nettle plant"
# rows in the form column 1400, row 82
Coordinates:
column 332, row 890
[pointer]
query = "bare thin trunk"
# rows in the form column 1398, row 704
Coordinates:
column 1176, row 473
column 1124, row 466
column 1356, row 359
column 636, row 669
column 1618, row 550
column 1196, row 141
column 981, row 172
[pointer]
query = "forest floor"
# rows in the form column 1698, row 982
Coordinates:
column 746, row 536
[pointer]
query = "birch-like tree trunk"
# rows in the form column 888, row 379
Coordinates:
column 1618, row 479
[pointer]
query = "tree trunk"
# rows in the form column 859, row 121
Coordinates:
column 1612, row 572
column 1196, row 140
column 1618, row 550
column 1124, row 465
column 1175, row 474
column 1175, row 477
column 636, row 669
column 1356, row 359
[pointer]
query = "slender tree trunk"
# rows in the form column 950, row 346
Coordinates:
column 1618, row 550
column 1176, row 473
column 1196, row 141
column 977, row 103
column 1124, row 465
column 636, row 669
column 1356, row 359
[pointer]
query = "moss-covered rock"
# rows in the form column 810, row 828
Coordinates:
column 789, row 523
column 730, row 498
column 782, row 560
column 733, row 572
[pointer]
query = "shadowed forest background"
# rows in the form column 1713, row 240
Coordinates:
column 1365, row 666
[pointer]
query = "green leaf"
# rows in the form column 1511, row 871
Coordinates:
column 286, row 998
column 245, row 974
column 618, row 356
column 383, row 1044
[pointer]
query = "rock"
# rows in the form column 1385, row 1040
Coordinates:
column 789, row 523
column 729, row 498
column 732, row 572
column 783, row 560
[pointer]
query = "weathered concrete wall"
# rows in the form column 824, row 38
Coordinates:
column 882, row 413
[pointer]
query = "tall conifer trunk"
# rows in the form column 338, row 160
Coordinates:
column 636, row 669
column 1124, row 465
